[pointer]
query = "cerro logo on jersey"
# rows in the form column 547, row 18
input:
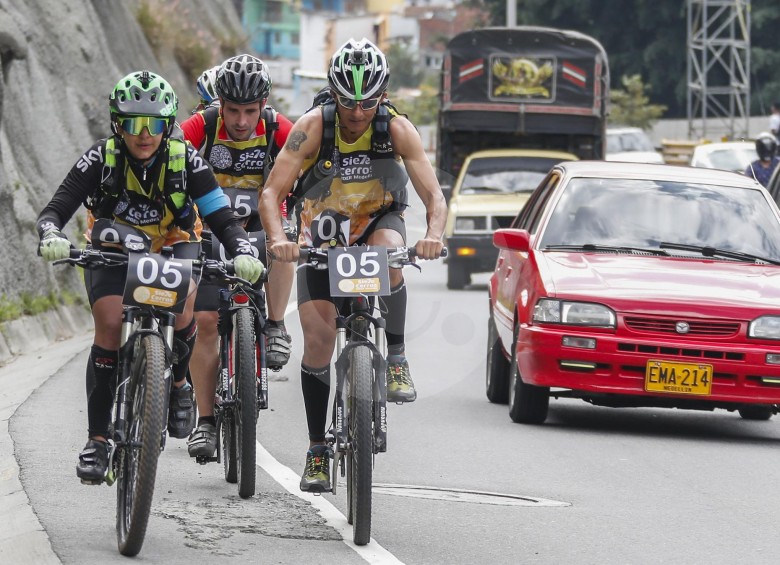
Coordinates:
column 142, row 214
column 355, row 168
column 250, row 160
column 220, row 157
column 94, row 155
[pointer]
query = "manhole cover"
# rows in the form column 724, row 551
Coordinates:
column 461, row 495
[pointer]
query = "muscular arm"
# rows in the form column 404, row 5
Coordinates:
column 302, row 142
column 408, row 145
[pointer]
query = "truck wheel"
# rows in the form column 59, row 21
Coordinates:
column 757, row 412
column 457, row 277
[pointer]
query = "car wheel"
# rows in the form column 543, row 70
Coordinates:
column 528, row 404
column 497, row 368
column 457, row 277
column 757, row 412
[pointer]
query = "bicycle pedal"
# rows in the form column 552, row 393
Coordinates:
column 92, row 483
column 202, row 459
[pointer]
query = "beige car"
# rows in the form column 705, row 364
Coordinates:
column 490, row 190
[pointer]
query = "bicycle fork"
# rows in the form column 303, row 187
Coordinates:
column 131, row 326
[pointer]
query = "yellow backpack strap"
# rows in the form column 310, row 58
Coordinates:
column 177, row 155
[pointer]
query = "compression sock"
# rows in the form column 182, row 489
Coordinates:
column 395, row 304
column 187, row 336
column 101, row 380
column 315, row 384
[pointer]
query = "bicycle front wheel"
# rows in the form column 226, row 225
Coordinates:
column 244, row 358
column 360, row 455
column 137, row 463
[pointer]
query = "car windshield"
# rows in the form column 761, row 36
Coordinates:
column 505, row 174
column 628, row 141
column 734, row 159
column 644, row 213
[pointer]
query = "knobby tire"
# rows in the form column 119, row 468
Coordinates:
column 360, row 455
column 137, row 466
column 245, row 378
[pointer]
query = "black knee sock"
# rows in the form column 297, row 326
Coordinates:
column 315, row 384
column 101, row 381
column 186, row 336
column 395, row 304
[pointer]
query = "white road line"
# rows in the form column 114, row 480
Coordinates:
column 371, row 553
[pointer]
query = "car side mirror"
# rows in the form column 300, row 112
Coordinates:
column 512, row 239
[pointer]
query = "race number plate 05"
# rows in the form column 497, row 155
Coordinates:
column 358, row 270
column 680, row 378
column 154, row 280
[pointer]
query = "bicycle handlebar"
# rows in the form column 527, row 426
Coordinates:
column 210, row 269
column 395, row 255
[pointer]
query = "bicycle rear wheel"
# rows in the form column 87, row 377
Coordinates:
column 244, row 359
column 360, row 455
column 137, row 464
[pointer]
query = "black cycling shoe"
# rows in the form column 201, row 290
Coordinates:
column 277, row 347
column 93, row 462
column 203, row 441
column 181, row 412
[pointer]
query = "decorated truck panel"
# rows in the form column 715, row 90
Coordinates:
column 522, row 87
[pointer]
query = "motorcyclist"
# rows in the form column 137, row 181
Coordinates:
column 762, row 168
column 126, row 178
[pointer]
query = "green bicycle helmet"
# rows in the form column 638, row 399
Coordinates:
column 358, row 70
column 144, row 93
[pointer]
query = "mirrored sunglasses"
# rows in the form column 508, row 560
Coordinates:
column 367, row 104
column 135, row 125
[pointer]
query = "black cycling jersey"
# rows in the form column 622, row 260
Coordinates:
column 144, row 195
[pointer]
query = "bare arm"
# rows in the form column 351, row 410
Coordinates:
column 302, row 142
column 407, row 144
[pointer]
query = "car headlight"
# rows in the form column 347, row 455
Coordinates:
column 555, row 311
column 470, row 223
column 765, row 327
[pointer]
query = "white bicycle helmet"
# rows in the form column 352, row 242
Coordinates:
column 358, row 70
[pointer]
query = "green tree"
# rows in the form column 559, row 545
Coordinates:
column 649, row 38
column 630, row 106
column 404, row 68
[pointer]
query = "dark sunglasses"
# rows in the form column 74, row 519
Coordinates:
column 135, row 125
column 366, row 104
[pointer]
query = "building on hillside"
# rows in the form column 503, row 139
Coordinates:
column 273, row 27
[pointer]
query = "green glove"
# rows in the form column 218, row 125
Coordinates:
column 54, row 246
column 248, row 267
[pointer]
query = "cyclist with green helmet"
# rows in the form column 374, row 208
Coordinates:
column 363, row 202
column 127, row 178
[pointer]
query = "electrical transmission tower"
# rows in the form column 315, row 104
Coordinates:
column 718, row 68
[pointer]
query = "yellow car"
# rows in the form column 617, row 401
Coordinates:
column 490, row 190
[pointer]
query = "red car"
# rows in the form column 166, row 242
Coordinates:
column 638, row 285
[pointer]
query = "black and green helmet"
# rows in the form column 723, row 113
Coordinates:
column 358, row 70
column 143, row 93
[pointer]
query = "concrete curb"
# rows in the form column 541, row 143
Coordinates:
column 32, row 349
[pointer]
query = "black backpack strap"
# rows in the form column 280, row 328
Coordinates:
column 328, row 145
column 210, row 117
column 271, row 126
column 103, row 202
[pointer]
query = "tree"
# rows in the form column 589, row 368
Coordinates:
column 404, row 69
column 649, row 38
column 630, row 106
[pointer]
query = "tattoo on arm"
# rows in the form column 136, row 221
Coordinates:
column 295, row 140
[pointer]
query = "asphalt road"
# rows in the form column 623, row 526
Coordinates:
column 591, row 486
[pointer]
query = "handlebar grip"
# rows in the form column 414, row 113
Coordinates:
column 413, row 252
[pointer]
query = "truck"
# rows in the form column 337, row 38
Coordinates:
column 522, row 88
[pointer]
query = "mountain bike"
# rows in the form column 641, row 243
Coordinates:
column 242, row 386
column 156, row 287
column 359, row 424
